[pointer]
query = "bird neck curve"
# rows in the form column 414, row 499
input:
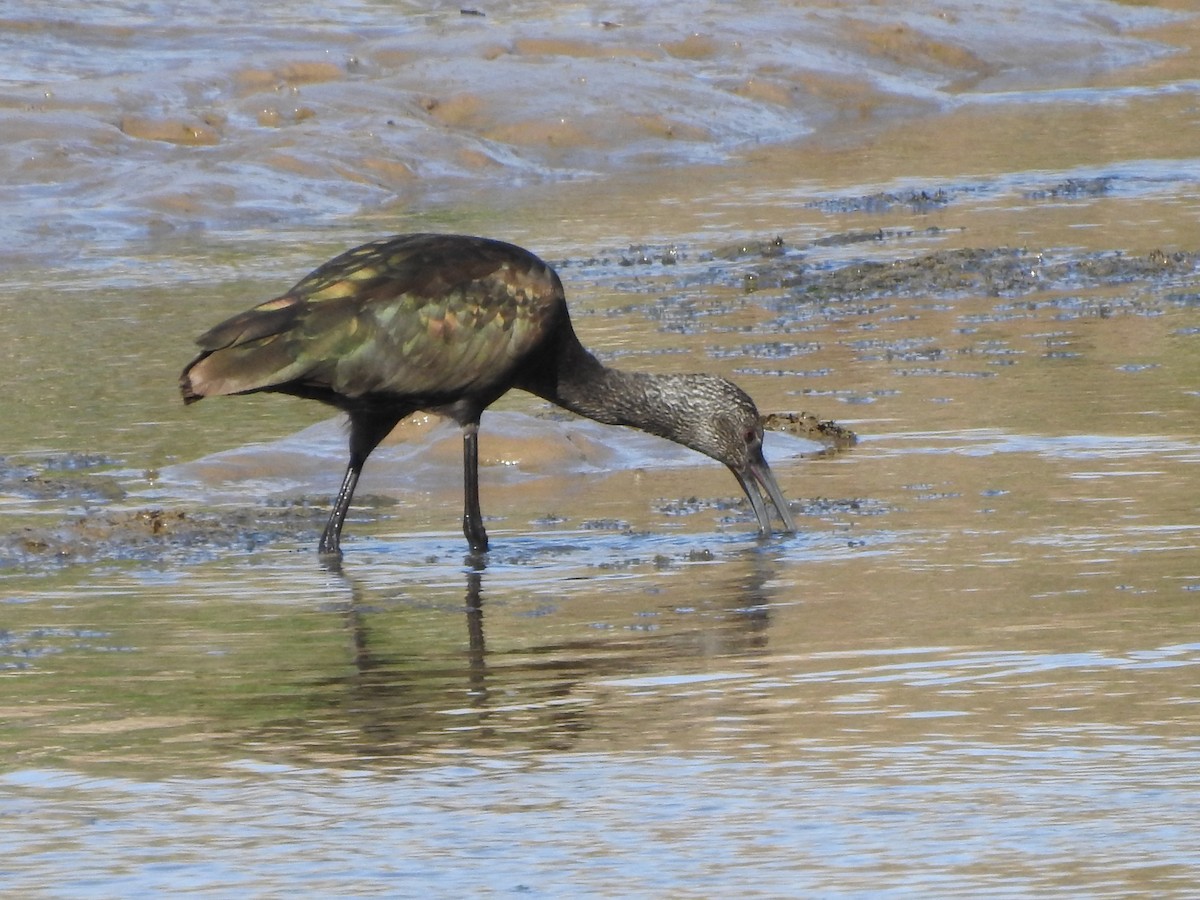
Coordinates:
column 580, row 383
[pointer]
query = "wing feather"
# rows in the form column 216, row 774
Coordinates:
column 419, row 317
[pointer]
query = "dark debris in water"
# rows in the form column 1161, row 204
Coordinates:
column 153, row 535
column 635, row 255
column 754, row 249
column 66, row 476
column 806, row 283
column 74, row 495
column 876, row 236
column 816, row 507
column 806, row 425
column 824, row 507
column 647, row 256
column 993, row 272
column 931, row 199
column 886, row 201
column 616, row 525
column 1074, row 189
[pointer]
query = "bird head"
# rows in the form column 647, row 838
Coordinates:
column 726, row 426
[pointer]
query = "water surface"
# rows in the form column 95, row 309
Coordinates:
column 966, row 234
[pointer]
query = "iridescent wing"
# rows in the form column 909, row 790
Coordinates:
column 419, row 317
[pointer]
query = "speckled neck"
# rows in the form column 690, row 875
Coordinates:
column 669, row 406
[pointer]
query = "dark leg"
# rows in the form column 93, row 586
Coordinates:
column 472, row 517
column 365, row 434
column 331, row 537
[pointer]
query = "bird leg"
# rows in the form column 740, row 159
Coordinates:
column 331, row 537
column 366, row 431
column 472, row 516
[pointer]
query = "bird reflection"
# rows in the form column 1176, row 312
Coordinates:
column 476, row 646
column 410, row 690
column 358, row 605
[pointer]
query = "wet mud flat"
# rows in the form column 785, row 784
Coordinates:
column 113, row 113
column 86, row 509
column 89, row 518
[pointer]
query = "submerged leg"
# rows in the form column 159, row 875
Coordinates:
column 365, row 434
column 472, row 517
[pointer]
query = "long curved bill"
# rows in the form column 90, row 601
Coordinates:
column 758, row 482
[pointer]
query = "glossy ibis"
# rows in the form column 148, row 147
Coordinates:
column 449, row 323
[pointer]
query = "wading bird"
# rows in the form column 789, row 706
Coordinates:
column 448, row 323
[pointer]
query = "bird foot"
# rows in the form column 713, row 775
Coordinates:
column 330, row 555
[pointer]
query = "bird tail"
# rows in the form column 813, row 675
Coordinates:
column 244, row 353
column 242, row 369
column 190, row 394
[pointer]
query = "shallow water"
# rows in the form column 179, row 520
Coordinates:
column 967, row 234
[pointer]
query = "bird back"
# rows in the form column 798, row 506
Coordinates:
column 416, row 317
